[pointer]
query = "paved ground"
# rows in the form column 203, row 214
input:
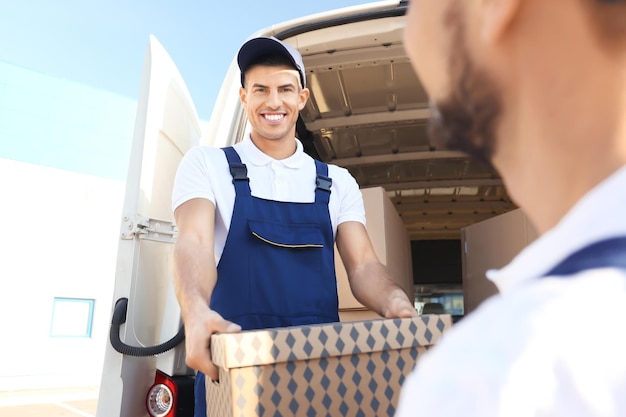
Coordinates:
column 67, row 402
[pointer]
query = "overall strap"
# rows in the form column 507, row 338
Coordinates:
column 322, row 183
column 605, row 253
column 238, row 171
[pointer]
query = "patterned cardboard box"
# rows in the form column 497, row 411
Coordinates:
column 339, row 369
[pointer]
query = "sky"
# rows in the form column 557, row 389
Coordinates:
column 102, row 43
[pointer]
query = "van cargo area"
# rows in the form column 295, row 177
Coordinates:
column 368, row 113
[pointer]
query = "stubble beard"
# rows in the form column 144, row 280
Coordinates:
column 466, row 120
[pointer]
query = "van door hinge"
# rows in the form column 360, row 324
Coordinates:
column 149, row 229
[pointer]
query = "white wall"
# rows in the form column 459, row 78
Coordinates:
column 59, row 239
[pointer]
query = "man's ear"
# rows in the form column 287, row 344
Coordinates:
column 304, row 97
column 496, row 17
column 243, row 97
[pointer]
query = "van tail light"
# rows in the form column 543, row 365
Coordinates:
column 170, row 396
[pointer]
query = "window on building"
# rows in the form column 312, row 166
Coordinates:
column 72, row 317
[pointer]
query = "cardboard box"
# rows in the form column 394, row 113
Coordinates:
column 338, row 369
column 489, row 244
column 392, row 245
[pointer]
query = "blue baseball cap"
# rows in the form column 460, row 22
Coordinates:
column 257, row 47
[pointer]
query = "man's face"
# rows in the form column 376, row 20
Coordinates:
column 465, row 103
column 273, row 98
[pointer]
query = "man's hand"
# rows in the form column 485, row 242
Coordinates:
column 369, row 279
column 399, row 306
column 198, row 330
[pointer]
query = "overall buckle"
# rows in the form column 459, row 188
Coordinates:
column 323, row 182
column 239, row 172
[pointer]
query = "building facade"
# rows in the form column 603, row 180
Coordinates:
column 64, row 151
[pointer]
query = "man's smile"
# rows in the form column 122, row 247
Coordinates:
column 274, row 117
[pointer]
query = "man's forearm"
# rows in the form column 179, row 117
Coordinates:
column 194, row 275
column 374, row 288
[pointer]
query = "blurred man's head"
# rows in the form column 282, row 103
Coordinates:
column 449, row 43
column 521, row 84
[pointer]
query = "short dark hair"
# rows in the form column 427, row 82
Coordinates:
column 267, row 61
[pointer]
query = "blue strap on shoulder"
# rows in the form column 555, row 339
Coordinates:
column 238, row 171
column 322, row 183
column 605, row 253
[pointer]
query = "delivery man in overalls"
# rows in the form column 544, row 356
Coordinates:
column 257, row 223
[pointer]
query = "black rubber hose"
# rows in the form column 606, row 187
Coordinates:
column 119, row 318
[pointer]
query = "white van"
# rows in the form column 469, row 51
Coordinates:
column 367, row 113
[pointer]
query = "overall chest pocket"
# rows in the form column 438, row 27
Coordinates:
column 287, row 235
column 288, row 269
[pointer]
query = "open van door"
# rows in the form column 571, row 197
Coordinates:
column 166, row 126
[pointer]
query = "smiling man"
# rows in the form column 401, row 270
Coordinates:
column 538, row 89
column 257, row 223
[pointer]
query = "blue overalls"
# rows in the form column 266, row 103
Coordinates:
column 277, row 268
column 609, row 252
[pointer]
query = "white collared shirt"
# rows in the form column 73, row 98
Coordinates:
column 204, row 173
column 542, row 346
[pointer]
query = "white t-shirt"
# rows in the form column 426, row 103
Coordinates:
column 542, row 346
column 204, row 173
